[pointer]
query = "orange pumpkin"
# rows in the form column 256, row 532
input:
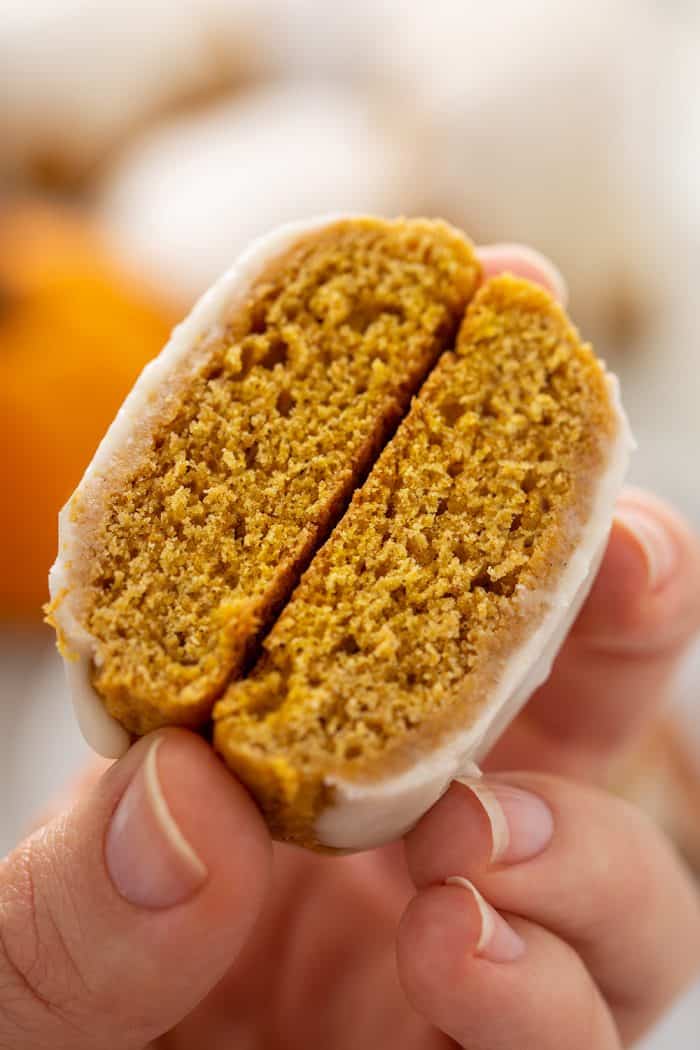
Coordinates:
column 75, row 330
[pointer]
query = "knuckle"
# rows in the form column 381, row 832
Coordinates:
column 635, row 870
column 623, row 873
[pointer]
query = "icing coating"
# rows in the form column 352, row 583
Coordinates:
column 126, row 439
column 365, row 815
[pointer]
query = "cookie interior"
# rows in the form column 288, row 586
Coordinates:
column 432, row 578
column 205, row 541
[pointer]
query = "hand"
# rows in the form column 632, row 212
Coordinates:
column 155, row 910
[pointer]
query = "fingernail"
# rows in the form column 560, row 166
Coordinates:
column 149, row 860
column 498, row 942
column 652, row 539
column 521, row 823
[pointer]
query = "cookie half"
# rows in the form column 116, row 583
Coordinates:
column 234, row 455
column 440, row 599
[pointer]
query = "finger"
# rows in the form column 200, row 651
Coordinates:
column 616, row 666
column 116, row 919
column 588, row 867
column 459, row 967
column 526, row 262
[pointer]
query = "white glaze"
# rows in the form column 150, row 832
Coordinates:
column 364, row 815
column 153, row 396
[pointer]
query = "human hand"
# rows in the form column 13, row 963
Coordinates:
column 155, row 911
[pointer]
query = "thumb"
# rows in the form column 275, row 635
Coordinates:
column 117, row 918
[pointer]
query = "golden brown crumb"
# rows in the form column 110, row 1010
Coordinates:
column 398, row 628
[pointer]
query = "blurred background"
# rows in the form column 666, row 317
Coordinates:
column 143, row 144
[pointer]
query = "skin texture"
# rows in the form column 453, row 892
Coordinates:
column 113, row 934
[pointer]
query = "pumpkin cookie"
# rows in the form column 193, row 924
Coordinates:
column 439, row 597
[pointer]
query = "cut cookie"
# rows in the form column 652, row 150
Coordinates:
column 440, row 596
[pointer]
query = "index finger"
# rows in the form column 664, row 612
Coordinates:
column 614, row 670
